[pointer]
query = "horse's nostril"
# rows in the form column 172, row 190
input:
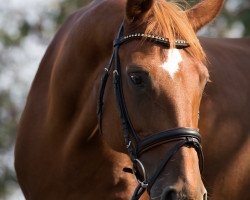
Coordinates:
column 205, row 196
column 169, row 193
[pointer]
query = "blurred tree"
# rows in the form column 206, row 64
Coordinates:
column 68, row 6
column 37, row 24
column 241, row 14
column 8, row 124
column 8, row 120
column 234, row 20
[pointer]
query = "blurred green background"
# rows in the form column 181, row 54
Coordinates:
column 26, row 28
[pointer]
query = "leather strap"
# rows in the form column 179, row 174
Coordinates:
column 164, row 42
column 100, row 102
column 166, row 136
column 184, row 142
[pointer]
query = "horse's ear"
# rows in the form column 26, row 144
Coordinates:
column 136, row 9
column 204, row 12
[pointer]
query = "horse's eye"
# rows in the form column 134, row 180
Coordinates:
column 136, row 78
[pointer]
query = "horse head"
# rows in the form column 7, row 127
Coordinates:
column 159, row 74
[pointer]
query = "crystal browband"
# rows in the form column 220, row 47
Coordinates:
column 179, row 44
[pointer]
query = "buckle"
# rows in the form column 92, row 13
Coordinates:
column 142, row 180
column 191, row 140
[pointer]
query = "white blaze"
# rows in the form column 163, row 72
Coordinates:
column 171, row 65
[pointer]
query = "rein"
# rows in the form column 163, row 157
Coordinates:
column 134, row 144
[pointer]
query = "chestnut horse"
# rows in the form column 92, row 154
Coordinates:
column 154, row 68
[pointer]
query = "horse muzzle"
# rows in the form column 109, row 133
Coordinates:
column 171, row 193
column 177, row 193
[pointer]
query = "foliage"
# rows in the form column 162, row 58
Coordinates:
column 68, row 6
column 234, row 20
column 8, row 124
column 242, row 14
column 8, row 120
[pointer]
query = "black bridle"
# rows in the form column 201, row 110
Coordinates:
column 134, row 144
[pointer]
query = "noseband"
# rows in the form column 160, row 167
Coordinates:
column 134, row 144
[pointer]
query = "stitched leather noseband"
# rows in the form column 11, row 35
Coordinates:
column 134, row 144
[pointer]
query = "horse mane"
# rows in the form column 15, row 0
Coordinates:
column 169, row 20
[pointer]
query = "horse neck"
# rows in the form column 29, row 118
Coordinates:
column 97, row 169
column 83, row 51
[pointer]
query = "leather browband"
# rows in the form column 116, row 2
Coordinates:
column 179, row 44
